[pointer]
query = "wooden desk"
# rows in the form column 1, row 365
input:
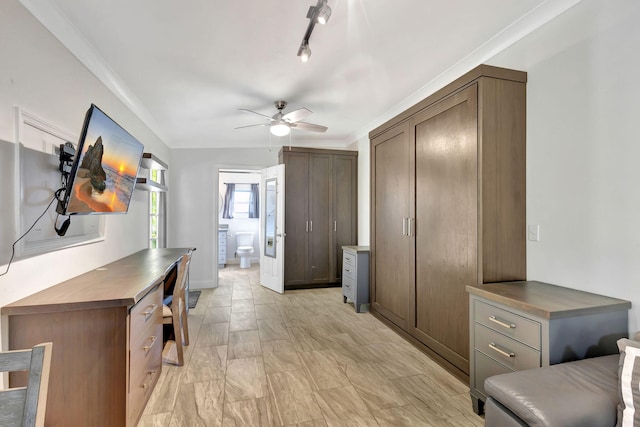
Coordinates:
column 106, row 329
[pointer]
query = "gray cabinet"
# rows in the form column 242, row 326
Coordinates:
column 523, row 325
column 355, row 275
column 222, row 248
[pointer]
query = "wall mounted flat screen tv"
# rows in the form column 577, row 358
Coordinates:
column 104, row 170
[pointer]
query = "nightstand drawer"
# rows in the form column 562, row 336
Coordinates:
column 349, row 259
column 507, row 323
column 348, row 272
column 505, row 350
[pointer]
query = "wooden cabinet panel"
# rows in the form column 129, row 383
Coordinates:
column 448, row 207
column 296, row 217
column 345, row 200
column 391, row 251
column 320, row 213
column 320, row 251
column 446, row 222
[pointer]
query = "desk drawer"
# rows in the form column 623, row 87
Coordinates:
column 143, row 378
column 486, row 367
column 507, row 323
column 146, row 312
column 505, row 350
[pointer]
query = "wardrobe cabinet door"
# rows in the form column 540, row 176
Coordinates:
column 392, row 255
column 345, row 198
column 320, row 215
column 446, row 223
column 296, row 217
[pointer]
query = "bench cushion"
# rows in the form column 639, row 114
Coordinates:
column 583, row 393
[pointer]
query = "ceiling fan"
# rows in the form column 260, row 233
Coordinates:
column 281, row 124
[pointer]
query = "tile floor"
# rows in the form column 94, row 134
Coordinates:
column 304, row 358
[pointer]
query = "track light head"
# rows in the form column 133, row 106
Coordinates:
column 324, row 14
column 305, row 52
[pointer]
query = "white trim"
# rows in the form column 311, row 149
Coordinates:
column 528, row 23
column 22, row 119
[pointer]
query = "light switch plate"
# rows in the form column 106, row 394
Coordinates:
column 533, row 232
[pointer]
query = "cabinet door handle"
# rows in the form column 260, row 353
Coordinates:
column 404, row 226
column 306, row 227
column 311, row 226
column 497, row 349
column 494, row 319
column 409, row 228
column 153, row 341
column 335, row 225
column 150, row 310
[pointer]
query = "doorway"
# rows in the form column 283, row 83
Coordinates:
column 250, row 225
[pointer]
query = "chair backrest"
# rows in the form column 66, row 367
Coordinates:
column 25, row 406
column 181, row 281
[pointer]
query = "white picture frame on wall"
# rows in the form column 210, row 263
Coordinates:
column 37, row 178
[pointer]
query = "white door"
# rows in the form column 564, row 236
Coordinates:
column 272, row 228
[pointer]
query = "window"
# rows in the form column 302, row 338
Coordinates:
column 157, row 212
column 241, row 201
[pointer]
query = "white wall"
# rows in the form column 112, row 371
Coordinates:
column 194, row 200
column 41, row 76
column 582, row 148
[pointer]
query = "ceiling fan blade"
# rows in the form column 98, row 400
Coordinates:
column 309, row 126
column 297, row 115
column 256, row 113
column 251, row 126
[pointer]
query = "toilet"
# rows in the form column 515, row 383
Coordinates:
column 244, row 244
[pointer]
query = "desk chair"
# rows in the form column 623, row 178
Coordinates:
column 25, row 406
column 176, row 315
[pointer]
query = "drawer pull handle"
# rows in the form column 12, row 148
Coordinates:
column 494, row 347
column 347, row 270
column 153, row 341
column 151, row 310
column 501, row 323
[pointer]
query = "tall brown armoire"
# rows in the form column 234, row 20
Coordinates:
column 448, row 208
column 320, row 214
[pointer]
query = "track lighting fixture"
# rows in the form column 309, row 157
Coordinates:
column 318, row 14
column 305, row 52
column 324, row 14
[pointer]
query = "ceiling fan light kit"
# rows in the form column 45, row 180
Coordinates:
column 318, row 14
column 280, row 124
column 280, row 129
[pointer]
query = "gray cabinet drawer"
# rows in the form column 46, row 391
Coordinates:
column 348, row 289
column 349, row 259
column 517, row 327
column 505, row 350
column 485, row 368
column 348, row 272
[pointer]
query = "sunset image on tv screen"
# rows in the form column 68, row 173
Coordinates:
column 107, row 168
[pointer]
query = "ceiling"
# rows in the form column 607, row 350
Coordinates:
column 187, row 67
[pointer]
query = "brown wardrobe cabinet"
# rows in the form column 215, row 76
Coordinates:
column 320, row 214
column 448, row 208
